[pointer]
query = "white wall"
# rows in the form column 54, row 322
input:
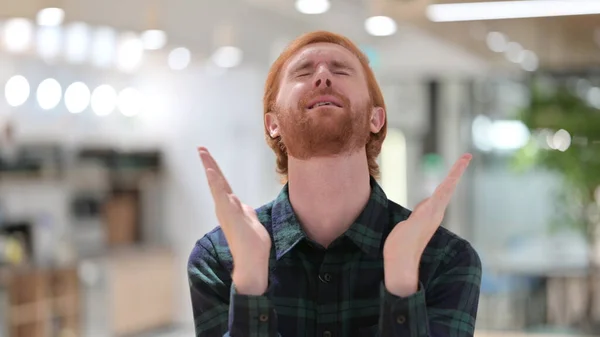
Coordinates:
column 225, row 115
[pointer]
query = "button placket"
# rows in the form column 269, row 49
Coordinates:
column 327, row 293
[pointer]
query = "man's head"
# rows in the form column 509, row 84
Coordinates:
column 322, row 99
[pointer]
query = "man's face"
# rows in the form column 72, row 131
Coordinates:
column 323, row 107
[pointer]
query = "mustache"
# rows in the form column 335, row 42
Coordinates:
column 327, row 91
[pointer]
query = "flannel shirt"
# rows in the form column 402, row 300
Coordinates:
column 337, row 291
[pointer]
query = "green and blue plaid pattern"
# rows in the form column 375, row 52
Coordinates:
column 336, row 291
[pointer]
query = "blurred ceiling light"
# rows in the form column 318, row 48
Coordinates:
column 18, row 34
column 129, row 52
column 550, row 140
column 179, row 58
column 509, row 134
column 513, row 52
column 227, row 57
column 561, row 140
column 480, row 130
column 312, row 6
column 154, row 39
column 50, row 17
column 496, row 42
column 529, row 61
column 48, row 42
column 380, row 26
column 582, row 87
column 16, row 90
column 77, row 36
column 104, row 100
column 593, row 97
column 543, row 138
column 49, row 93
column 501, row 135
column 77, row 97
column 493, row 10
column 130, row 102
column 104, row 40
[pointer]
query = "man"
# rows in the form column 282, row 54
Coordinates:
column 331, row 255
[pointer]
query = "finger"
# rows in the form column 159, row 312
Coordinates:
column 443, row 193
column 217, row 188
column 209, row 162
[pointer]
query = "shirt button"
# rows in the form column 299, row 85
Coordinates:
column 327, row 334
column 325, row 278
column 401, row 319
column 263, row 318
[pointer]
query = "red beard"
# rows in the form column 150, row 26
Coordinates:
column 328, row 131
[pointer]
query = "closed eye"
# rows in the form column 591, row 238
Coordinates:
column 341, row 73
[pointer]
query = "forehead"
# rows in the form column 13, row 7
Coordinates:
column 323, row 52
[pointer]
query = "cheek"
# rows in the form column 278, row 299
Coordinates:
column 289, row 95
column 358, row 94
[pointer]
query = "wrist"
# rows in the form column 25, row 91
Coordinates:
column 250, row 282
column 402, row 281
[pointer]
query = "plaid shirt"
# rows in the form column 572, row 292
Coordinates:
column 336, row 291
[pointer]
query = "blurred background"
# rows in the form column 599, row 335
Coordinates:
column 103, row 104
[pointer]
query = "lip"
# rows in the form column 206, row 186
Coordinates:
column 321, row 99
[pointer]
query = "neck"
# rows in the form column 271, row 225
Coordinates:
column 329, row 193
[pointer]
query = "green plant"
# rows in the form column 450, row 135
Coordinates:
column 552, row 109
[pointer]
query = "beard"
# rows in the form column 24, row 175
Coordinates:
column 330, row 131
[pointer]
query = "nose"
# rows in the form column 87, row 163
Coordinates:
column 323, row 78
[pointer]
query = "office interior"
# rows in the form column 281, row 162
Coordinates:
column 103, row 105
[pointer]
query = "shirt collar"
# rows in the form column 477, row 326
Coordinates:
column 366, row 232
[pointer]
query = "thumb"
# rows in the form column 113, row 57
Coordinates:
column 250, row 211
column 420, row 205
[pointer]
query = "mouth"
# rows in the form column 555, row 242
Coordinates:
column 324, row 101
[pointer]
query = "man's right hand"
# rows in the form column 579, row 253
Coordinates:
column 248, row 240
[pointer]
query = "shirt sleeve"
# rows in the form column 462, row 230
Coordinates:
column 217, row 308
column 251, row 315
column 448, row 307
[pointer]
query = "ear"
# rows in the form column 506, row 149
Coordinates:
column 272, row 124
column 377, row 119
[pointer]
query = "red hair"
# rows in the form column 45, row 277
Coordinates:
column 373, row 147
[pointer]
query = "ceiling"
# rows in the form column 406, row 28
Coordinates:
column 420, row 46
column 261, row 27
column 561, row 43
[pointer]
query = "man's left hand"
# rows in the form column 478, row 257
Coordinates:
column 404, row 246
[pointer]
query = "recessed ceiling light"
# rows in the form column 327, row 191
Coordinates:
column 312, row 6
column 380, row 26
column 494, row 10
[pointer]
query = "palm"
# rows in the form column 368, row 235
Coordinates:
column 410, row 237
column 247, row 238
